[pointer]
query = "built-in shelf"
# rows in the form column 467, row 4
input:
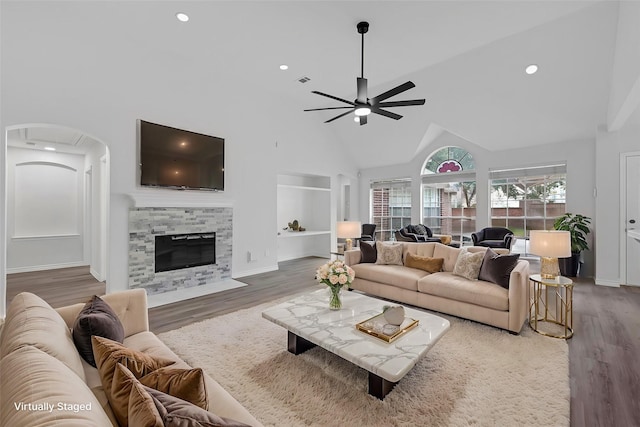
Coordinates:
column 288, row 234
column 307, row 199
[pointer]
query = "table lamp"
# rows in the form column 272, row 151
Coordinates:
column 349, row 230
column 550, row 245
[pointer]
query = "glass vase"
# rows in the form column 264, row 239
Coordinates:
column 335, row 302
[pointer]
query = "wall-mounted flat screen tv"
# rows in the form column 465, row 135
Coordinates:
column 180, row 159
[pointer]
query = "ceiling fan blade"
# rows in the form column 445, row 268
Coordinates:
column 392, row 92
column 401, row 103
column 333, row 97
column 328, row 108
column 363, row 120
column 362, row 90
column 340, row 115
column 386, row 113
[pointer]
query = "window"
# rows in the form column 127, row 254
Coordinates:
column 449, row 193
column 527, row 199
column 390, row 206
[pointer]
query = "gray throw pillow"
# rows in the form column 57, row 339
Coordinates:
column 369, row 254
column 497, row 268
column 96, row 318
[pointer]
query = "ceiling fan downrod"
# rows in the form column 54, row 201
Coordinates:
column 363, row 27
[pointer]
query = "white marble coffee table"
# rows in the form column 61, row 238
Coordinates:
column 310, row 323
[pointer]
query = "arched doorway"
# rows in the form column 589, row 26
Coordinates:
column 56, row 201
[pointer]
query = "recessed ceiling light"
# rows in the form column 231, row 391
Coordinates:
column 49, row 148
column 182, row 17
column 531, row 69
column 284, row 67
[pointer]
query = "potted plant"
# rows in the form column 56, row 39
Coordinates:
column 578, row 227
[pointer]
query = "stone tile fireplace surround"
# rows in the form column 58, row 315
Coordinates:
column 145, row 223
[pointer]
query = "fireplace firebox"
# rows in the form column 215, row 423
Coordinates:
column 173, row 252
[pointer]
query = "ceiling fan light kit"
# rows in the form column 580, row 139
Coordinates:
column 362, row 106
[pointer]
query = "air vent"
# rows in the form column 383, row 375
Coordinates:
column 30, row 143
column 304, row 79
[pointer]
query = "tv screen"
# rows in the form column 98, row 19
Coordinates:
column 180, row 159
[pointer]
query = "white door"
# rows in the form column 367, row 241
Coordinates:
column 632, row 220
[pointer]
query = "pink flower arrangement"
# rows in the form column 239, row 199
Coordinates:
column 335, row 274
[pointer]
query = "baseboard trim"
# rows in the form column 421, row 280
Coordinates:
column 609, row 283
column 44, row 267
column 260, row 270
column 96, row 275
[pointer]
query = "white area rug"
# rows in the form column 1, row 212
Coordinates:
column 476, row 375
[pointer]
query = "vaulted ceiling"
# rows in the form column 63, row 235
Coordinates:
column 467, row 58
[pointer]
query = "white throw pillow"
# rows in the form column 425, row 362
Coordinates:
column 389, row 254
column 468, row 264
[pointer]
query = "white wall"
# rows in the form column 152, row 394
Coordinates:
column 578, row 155
column 95, row 244
column 45, row 203
column 620, row 135
column 104, row 96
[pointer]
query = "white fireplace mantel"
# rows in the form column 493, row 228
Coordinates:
column 162, row 198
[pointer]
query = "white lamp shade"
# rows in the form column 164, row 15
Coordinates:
column 349, row 229
column 550, row 243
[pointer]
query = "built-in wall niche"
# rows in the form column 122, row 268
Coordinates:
column 306, row 198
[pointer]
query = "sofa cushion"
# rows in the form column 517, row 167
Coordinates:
column 33, row 377
column 478, row 292
column 419, row 249
column 468, row 264
column 96, row 318
column 186, row 384
column 396, row 275
column 428, row 264
column 142, row 410
column 369, row 252
column 449, row 254
column 31, row 321
column 389, row 254
column 497, row 268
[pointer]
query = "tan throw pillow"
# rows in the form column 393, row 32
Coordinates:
column 468, row 264
column 389, row 254
column 428, row 264
column 186, row 384
column 108, row 354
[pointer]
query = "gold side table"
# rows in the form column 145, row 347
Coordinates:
column 551, row 303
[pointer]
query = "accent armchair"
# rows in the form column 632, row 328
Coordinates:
column 493, row 237
column 416, row 233
column 368, row 233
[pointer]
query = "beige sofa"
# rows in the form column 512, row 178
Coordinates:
column 44, row 381
column 443, row 291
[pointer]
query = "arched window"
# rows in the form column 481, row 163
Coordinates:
column 449, row 193
column 449, row 159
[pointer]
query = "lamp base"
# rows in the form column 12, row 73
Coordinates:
column 549, row 268
column 349, row 244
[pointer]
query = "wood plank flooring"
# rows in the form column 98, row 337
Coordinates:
column 604, row 353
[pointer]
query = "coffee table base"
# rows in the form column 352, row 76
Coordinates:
column 378, row 386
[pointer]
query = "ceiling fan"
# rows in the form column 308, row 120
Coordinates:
column 362, row 106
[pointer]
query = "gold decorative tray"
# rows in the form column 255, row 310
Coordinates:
column 378, row 327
